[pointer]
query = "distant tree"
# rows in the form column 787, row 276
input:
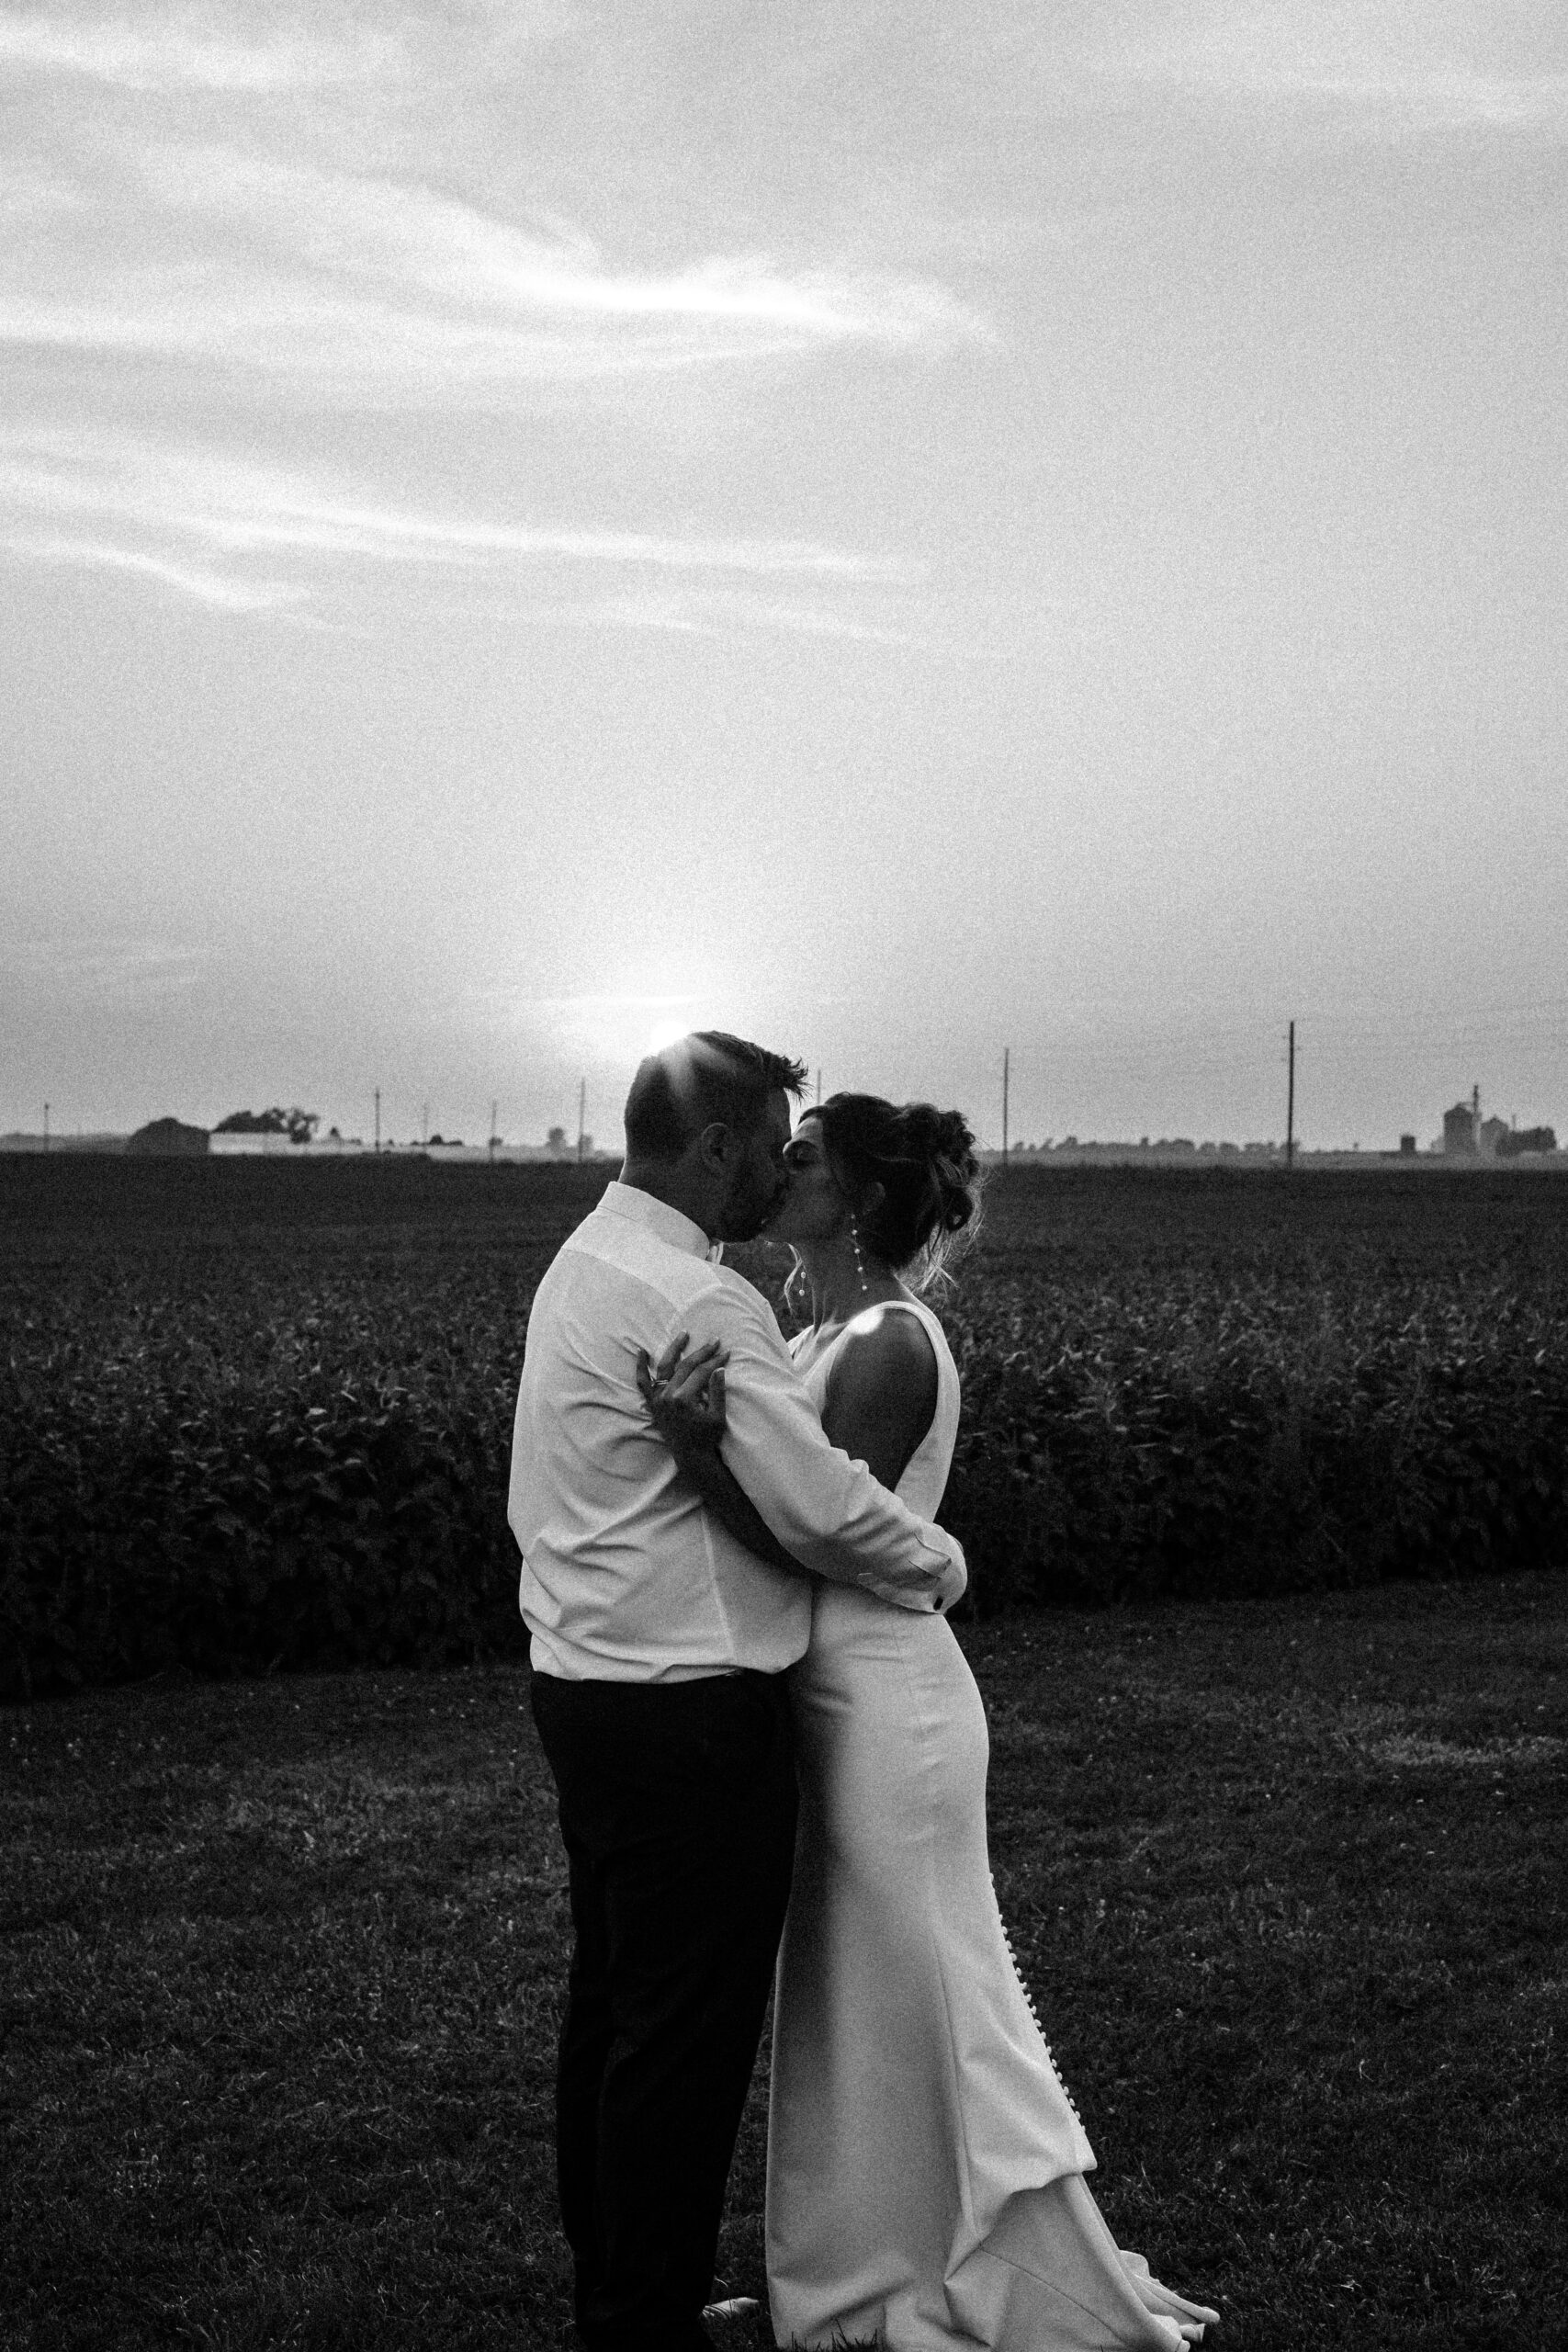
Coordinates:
column 296, row 1125
column 556, row 1140
column 253, row 1123
column 1519, row 1139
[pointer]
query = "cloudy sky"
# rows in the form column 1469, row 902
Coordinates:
column 901, row 530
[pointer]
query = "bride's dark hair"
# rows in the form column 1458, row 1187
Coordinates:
column 910, row 1172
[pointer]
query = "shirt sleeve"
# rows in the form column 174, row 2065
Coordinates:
column 826, row 1510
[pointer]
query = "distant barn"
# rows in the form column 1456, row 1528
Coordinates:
column 167, row 1139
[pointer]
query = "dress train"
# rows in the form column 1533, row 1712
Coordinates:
column 925, row 2162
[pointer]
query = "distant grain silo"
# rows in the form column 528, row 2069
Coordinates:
column 1461, row 1131
column 167, row 1139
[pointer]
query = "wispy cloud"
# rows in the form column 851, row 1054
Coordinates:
column 239, row 49
column 1418, row 101
column 1391, row 68
column 223, row 593
column 102, row 497
column 412, row 235
column 207, row 50
column 371, row 289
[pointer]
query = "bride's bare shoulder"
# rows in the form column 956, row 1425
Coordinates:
column 887, row 1345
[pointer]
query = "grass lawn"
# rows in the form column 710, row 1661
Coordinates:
column 281, row 1962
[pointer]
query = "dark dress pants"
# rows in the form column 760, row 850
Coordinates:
column 677, row 1808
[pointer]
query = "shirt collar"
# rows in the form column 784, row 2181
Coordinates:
column 656, row 1217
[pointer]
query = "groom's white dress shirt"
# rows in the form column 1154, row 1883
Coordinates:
column 626, row 1577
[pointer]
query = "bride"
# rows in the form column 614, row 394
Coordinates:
column 925, row 2162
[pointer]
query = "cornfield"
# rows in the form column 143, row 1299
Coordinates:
column 257, row 1416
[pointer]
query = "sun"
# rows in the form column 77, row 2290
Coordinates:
column 664, row 1032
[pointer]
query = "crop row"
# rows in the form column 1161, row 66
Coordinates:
column 248, row 1468
column 1186, row 1438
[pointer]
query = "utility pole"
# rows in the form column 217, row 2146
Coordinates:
column 1007, row 1058
column 493, row 1111
column 427, row 1126
column 46, row 1129
column 582, row 1114
column 820, row 1083
column 377, row 1122
column 1291, row 1101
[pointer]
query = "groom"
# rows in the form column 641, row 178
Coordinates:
column 659, row 1645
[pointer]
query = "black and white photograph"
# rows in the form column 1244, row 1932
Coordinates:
column 783, row 1176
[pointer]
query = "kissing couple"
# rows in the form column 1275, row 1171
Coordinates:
column 761, row 1727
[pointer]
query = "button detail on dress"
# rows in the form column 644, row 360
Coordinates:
column 1035, row 2014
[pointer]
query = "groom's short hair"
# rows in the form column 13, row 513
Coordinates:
column 704, row 1079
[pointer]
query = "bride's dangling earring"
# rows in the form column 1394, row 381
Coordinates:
column 859, row 1261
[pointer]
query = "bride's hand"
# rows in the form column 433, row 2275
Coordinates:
column 684, row 1395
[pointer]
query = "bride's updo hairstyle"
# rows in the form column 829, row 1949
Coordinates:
column 911, row 1172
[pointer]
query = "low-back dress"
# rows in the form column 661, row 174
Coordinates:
column 925, row 2164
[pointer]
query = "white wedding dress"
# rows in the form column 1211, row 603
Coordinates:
column 925, row 2165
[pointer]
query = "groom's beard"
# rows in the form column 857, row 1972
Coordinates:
column 744, row 1221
